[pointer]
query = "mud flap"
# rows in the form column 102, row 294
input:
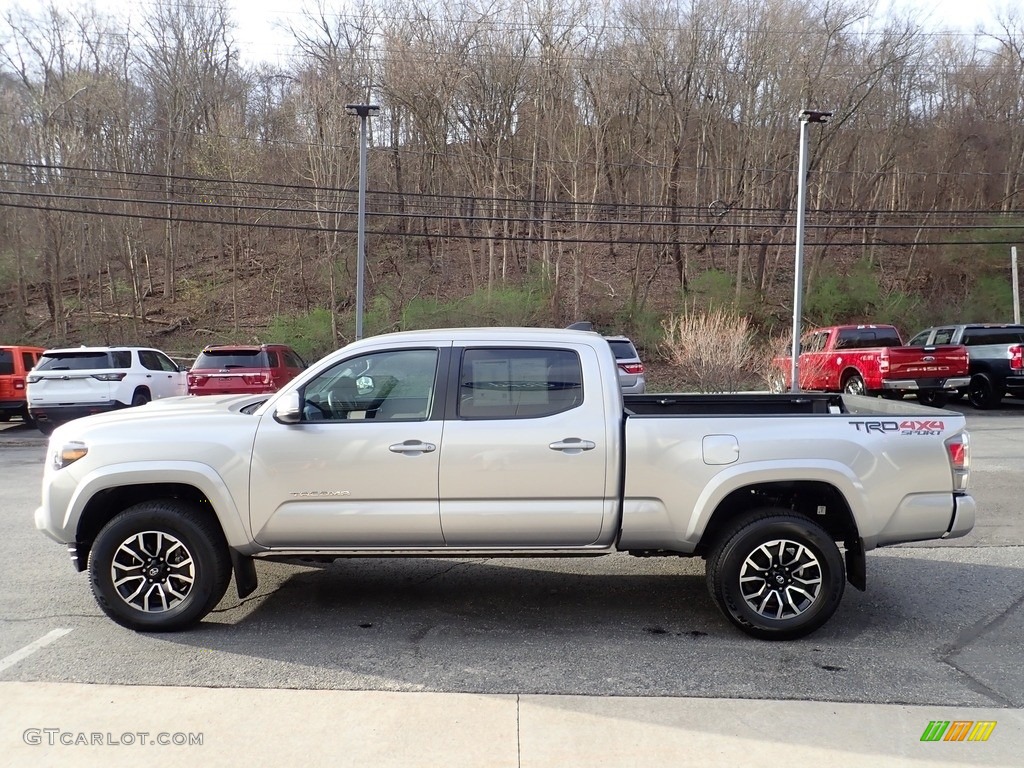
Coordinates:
column 856, row 564
column 245, row 574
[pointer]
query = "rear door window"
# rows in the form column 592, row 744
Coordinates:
column 848, row 339
column 518, row 383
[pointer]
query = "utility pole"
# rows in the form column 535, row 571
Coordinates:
column 363, row 111
column 807, row 116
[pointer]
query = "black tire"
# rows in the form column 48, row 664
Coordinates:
column 141, row 397
column 782, row 546
column 45, row 427
column 854, row 385
column 27, row 417
column 982, row 393
column 176, row 542
column 5, row 417
column 935, row 398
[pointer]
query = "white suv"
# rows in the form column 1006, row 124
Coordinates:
column 69, row 383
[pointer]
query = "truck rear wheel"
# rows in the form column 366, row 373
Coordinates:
column 854, row 385
column 159, row 566
column 776, row 575
column 982, row 393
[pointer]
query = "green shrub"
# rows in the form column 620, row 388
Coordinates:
column 309, row 334
column 509, row 306
column 989, row 300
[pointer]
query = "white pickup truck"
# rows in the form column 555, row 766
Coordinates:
column 490, row 442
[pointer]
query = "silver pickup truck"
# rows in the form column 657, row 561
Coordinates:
column 488, row 442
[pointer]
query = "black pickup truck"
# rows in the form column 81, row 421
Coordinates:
column 996, row 358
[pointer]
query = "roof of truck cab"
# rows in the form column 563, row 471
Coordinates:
column 509, row 334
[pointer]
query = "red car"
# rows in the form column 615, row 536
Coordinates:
column 872, row 360
column 243, row 370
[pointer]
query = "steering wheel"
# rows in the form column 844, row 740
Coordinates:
column 315, row 411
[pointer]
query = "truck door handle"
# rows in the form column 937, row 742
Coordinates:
column 412, row 446
column 572, row 445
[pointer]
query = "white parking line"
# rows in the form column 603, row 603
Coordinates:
column 23, row 653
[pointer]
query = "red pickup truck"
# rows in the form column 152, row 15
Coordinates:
column 871, row 360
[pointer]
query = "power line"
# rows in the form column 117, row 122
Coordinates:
column 476, row 200
column 483, row 236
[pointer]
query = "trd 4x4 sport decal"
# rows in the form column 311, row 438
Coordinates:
column 930, row 427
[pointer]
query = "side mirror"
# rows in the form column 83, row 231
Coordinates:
column 289, row 409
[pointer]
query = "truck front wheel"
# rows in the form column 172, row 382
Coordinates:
column 776, row 575
column 159, row 566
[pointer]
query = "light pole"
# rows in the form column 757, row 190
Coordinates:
column 363, row 111
column 806, row 116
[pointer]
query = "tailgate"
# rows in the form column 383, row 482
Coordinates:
column 229, row 383
column 70, row 388
column 927, row 362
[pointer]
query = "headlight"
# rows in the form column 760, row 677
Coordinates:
column 68, row 454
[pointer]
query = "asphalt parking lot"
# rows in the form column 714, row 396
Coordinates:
column 939, row 625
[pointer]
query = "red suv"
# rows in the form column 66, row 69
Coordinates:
column 243, row 370
column 15, row 363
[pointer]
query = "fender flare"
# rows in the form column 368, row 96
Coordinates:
column 199, row 475
column 734, row 478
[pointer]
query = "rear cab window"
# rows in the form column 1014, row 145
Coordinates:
column 868, row 338
column 979, row 336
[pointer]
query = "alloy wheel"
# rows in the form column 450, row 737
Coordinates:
column 153, row 571
column 780, row 579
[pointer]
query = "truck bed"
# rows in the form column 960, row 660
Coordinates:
column 732, row 404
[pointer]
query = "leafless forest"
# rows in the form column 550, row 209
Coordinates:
column 604, row 160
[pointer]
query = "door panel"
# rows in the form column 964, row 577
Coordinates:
column 361, row 468
column 525, row 460
column 340, row 484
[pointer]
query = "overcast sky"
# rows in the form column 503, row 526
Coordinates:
column 256, row 35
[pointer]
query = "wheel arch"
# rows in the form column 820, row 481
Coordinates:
column 849, row 372
column 104, row 494
column 106, row 504
column 817, row 500
column 141, row 389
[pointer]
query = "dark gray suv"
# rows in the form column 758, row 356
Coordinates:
column 996, row 354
